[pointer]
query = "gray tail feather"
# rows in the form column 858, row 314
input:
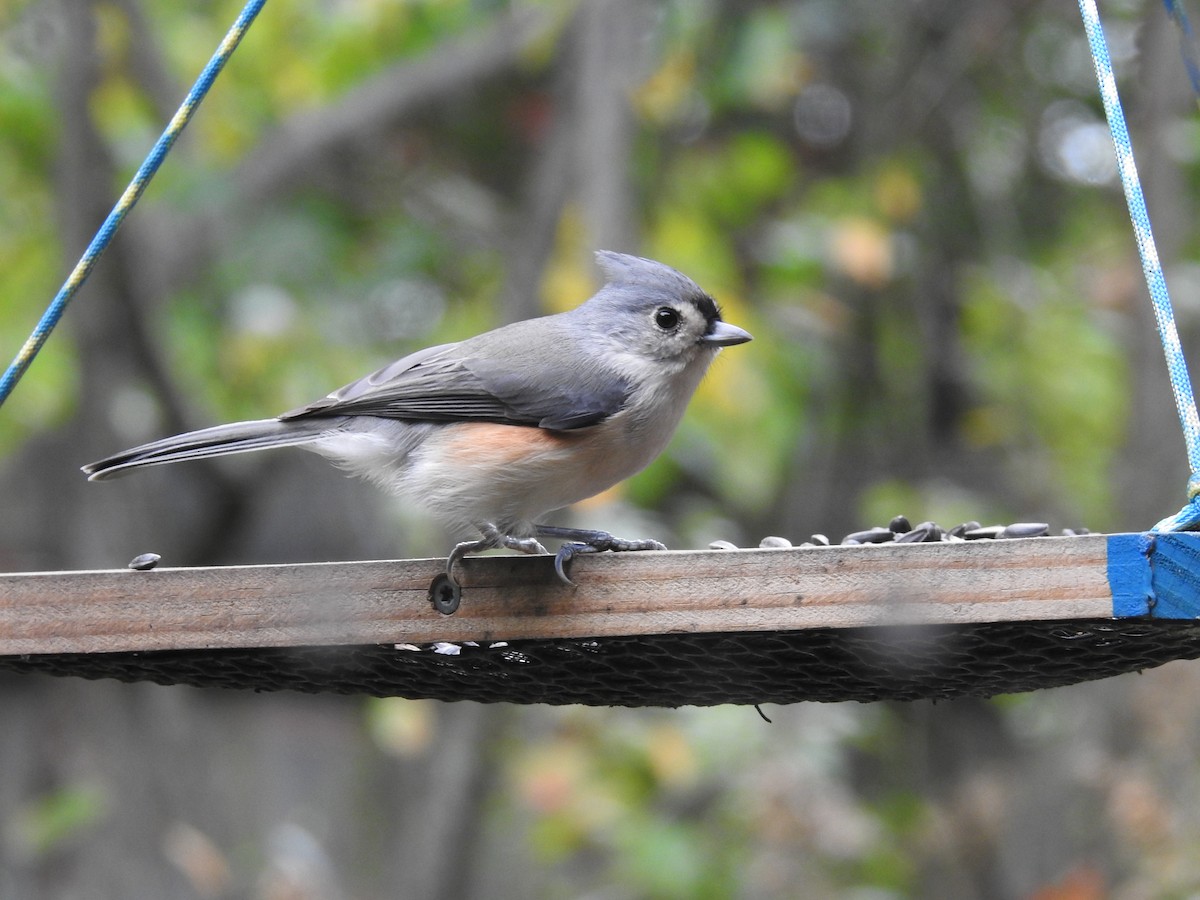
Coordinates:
column 239, row 437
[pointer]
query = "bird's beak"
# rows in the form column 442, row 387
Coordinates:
column 725, row 335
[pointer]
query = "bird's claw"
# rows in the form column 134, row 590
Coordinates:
column 565, row 554
column 492, row 539
column 445, row 592
column 489, row 542
column 590, row 542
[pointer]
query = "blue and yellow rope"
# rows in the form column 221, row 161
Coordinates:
column 131, row 196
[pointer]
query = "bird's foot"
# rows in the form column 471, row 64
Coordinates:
column 445, row 593
column 581, row 540
column 492, row 539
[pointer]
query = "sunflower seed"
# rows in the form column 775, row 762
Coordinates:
column 1025, row 529
column 924, row 532
column 987, row 531
column 874, row 535
column 143, row 562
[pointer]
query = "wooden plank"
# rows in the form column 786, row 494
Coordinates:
column 508, row 597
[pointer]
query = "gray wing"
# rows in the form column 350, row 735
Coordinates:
column 532, row 382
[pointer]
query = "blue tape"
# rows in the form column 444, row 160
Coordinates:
column 1156, row 575
column 1175, row 575
column 1129, row 574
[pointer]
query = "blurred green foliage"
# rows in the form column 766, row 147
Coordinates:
column 938, row 291
column 45, row 825
column 816, row 245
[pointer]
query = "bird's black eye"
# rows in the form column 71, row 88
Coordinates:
column 666, row 318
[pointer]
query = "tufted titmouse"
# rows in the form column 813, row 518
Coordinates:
column 497, row 430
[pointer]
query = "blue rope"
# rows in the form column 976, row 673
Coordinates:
column 132, row 194
column 1181, row 385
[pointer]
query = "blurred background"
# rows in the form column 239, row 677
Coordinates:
column 913, row 206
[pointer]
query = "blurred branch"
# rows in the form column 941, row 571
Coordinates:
column 381, row 101
column 147, row 65
column 286, row 154
column 1152, row 468
column 548, row 186
column 457, row 787
column 116, row 344
column 545, row 189
column 940, row 68
column 607, row 46
column 108, row 342
column 587, row 151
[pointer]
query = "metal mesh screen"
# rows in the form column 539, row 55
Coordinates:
column 864, row 664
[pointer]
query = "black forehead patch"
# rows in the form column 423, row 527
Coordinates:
column 707, row 307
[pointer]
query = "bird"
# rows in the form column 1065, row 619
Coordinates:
column 496, row 431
